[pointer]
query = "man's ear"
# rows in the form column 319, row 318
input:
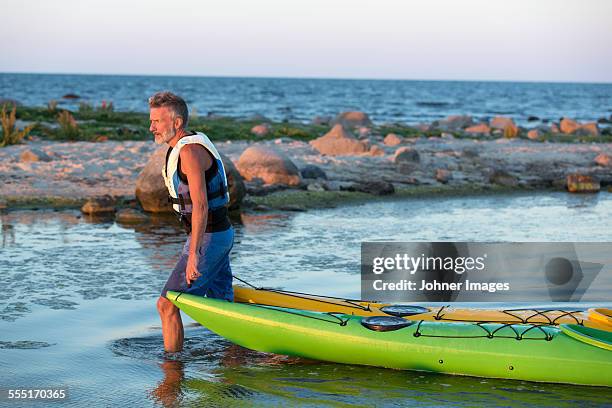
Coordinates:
column 178, row 122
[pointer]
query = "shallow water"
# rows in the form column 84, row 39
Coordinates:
column 79, row 303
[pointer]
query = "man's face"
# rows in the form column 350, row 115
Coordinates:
column 162, row 124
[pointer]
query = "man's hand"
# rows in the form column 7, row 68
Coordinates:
column 191, row 272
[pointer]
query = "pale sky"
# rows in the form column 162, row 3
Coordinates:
column 522, row 40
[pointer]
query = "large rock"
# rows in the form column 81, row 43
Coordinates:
column 352, row 120
column 261, row 130
column 406, row 155
column 375, row 187
column 311, row 171
column 443, row 175
column 588, row 129
column 501, row 122
column 338, row 142
column 153, row 194
column 99, row 205
column 603, row 160
column 150, row 188
column 503, row 178
column 237, row 189
column 479, row 129
column 568, row 126
column 269, row 164
column 455, row 122
column 34, row 155
column 533, row 134
column 507, row 125
column 406, row 160
column 392, row 139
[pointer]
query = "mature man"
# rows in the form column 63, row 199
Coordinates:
column 198, row 189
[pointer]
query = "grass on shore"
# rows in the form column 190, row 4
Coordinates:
column 104, row 123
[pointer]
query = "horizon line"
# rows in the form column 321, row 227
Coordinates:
column 306, row 77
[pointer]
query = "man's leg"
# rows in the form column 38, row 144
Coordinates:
column 172, row 325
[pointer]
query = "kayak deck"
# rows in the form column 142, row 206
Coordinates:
column 304, row 301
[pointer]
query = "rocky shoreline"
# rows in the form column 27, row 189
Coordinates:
column 294, row 174
column 296, row 167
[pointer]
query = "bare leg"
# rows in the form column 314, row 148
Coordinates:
column 172, row 325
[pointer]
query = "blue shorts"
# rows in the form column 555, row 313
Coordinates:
column 214, row 265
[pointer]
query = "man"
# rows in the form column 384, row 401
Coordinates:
column 198, row 190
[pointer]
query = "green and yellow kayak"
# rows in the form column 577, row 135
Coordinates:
column 513, row 351
column 596, row 318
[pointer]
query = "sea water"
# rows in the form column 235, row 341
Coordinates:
column 78, row 303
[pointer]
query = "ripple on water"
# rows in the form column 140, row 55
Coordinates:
column 24, row 345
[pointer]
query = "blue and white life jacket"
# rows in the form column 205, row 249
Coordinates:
column 217, row 191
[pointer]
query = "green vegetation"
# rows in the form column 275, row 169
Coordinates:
column 68, row 128
column 10, row 133
column 103, row 122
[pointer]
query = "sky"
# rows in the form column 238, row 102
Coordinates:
column 515, row 40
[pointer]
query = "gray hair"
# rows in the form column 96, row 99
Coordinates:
column 169, row 100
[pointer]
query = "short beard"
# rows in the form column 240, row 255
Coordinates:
column 165, row 137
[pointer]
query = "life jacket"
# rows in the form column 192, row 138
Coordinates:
column 217, row 191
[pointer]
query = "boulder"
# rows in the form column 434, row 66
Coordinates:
column 392, row 139
column 578, row 183
column 503, row 178
column 501, row 122
column 237, row 189
column 99, row 205
column 261, row 130
column 568, row 126
column 376, row 150
column 150, row 188
column 375, row 187
column 603, row 160
column 338, row 142
column 406, row 159
column 352, row 119
column 34, row 155
column 455, row 122
column 479, row 129
column 443, row 175
column 406, row 155
column 506, row 125
column 153, row 194
column 316, row 186
column 587, row 129
column 533, row 134
column 269, row 164
column 310, row 171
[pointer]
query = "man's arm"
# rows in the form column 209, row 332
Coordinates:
column 194, row 162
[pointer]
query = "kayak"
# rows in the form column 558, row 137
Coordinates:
column 512, row 351
column 600, row 318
